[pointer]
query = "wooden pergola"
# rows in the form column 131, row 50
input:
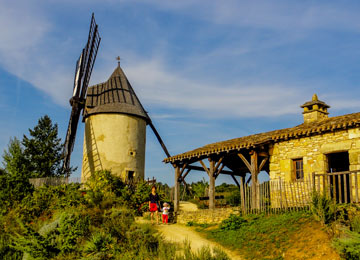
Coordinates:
column 239, row 161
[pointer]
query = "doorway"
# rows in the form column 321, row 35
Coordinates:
column 339, row 183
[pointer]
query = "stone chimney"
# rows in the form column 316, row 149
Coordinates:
column 315, row 110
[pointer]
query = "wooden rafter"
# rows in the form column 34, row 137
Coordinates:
column 217, row 172
column 182, row 177
column 262, row 164
column 198, row 168
column 183, row 168
column 237, row 183
column 205, row 168
column 247, row 182
column 248, row 165
column 218, row 164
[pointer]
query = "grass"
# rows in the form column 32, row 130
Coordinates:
column 257, row 237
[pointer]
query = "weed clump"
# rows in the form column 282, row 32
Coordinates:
column 323, row 208
column 234, row 222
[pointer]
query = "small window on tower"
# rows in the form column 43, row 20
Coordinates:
column 298, row 169
column 132, row 153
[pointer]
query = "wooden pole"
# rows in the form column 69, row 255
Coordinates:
column 356, row 188
column 254, row 179
column 212, row 185
column 177, row 189
column 242, row 196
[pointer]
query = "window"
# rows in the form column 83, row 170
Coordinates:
column 130, row 176
column 298, row 169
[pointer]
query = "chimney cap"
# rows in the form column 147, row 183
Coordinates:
column 315, row 101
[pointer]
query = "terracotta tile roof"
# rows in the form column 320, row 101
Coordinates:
column 251, row 141
column 116, row 95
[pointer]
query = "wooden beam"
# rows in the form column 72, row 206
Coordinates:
column 262, row 164
column 242, row 192
column 247, row 182
column 198, row 168
column 177, row 189
column 242, row 157
column 218, row 164
column 212, row 185
column 254, row 163
column 205, row 168
column 235, row 180
column 263, row 154
column 217, row 173
column 183, row 168
column 186, row 173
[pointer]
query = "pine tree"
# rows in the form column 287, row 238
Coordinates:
column 43, row 149
column 14, row 158
column 14, row 179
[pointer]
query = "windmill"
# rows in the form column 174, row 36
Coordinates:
column 84, row 66
column 113, row 98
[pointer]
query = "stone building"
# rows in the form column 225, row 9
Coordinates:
column 115, row 129
column 320, row 146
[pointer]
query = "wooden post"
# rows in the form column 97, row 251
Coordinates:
column 242, row 196
column 313, row 181
column 356, row 188
column 254, row 180
column 212, row 185
column 177, row 189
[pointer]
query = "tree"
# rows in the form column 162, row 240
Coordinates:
column 14, row 158
column 43, row 150
column 14, row 179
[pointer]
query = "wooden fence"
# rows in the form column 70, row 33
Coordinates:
column 279, row 195
column 53, row 181
column 276, row 196
column 342, row 187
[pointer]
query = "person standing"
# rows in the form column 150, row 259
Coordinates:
column 165, row 213
column 154, row 203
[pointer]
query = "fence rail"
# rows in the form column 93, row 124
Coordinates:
column 342, row 187
column 276, row 196
column 53, row 181
column 279, row 195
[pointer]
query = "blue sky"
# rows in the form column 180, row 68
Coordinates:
column 205, row 70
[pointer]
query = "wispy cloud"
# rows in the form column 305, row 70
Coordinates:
column 275, row 15
column 26, row 33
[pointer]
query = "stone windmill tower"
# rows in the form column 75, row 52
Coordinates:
column 115, row 129
column 115, row 120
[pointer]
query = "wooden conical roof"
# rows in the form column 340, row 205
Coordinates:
column 116, row 95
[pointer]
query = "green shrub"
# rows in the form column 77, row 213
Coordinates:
column 117, row 222
column 100, row 246
column 355, row 224
column 323, row 208
column 233, row 199
column 234, row 222
column 71, row 228
column 349, row 246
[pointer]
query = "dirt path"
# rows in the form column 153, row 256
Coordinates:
column 178, row 233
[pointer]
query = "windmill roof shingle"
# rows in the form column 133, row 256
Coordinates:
column 116, row 95
column 251, row 141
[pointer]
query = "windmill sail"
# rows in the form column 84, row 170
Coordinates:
column 83, row 71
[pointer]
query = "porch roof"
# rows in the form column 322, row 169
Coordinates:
column 306, row 129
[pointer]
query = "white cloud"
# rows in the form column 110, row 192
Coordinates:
column 278, row 15
column 24, row 50
column 158, row 86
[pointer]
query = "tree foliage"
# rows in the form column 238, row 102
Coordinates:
column 14, row 179
column 43, row 149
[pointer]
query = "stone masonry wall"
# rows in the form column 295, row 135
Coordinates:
column 313, row 151
column 208, row 216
